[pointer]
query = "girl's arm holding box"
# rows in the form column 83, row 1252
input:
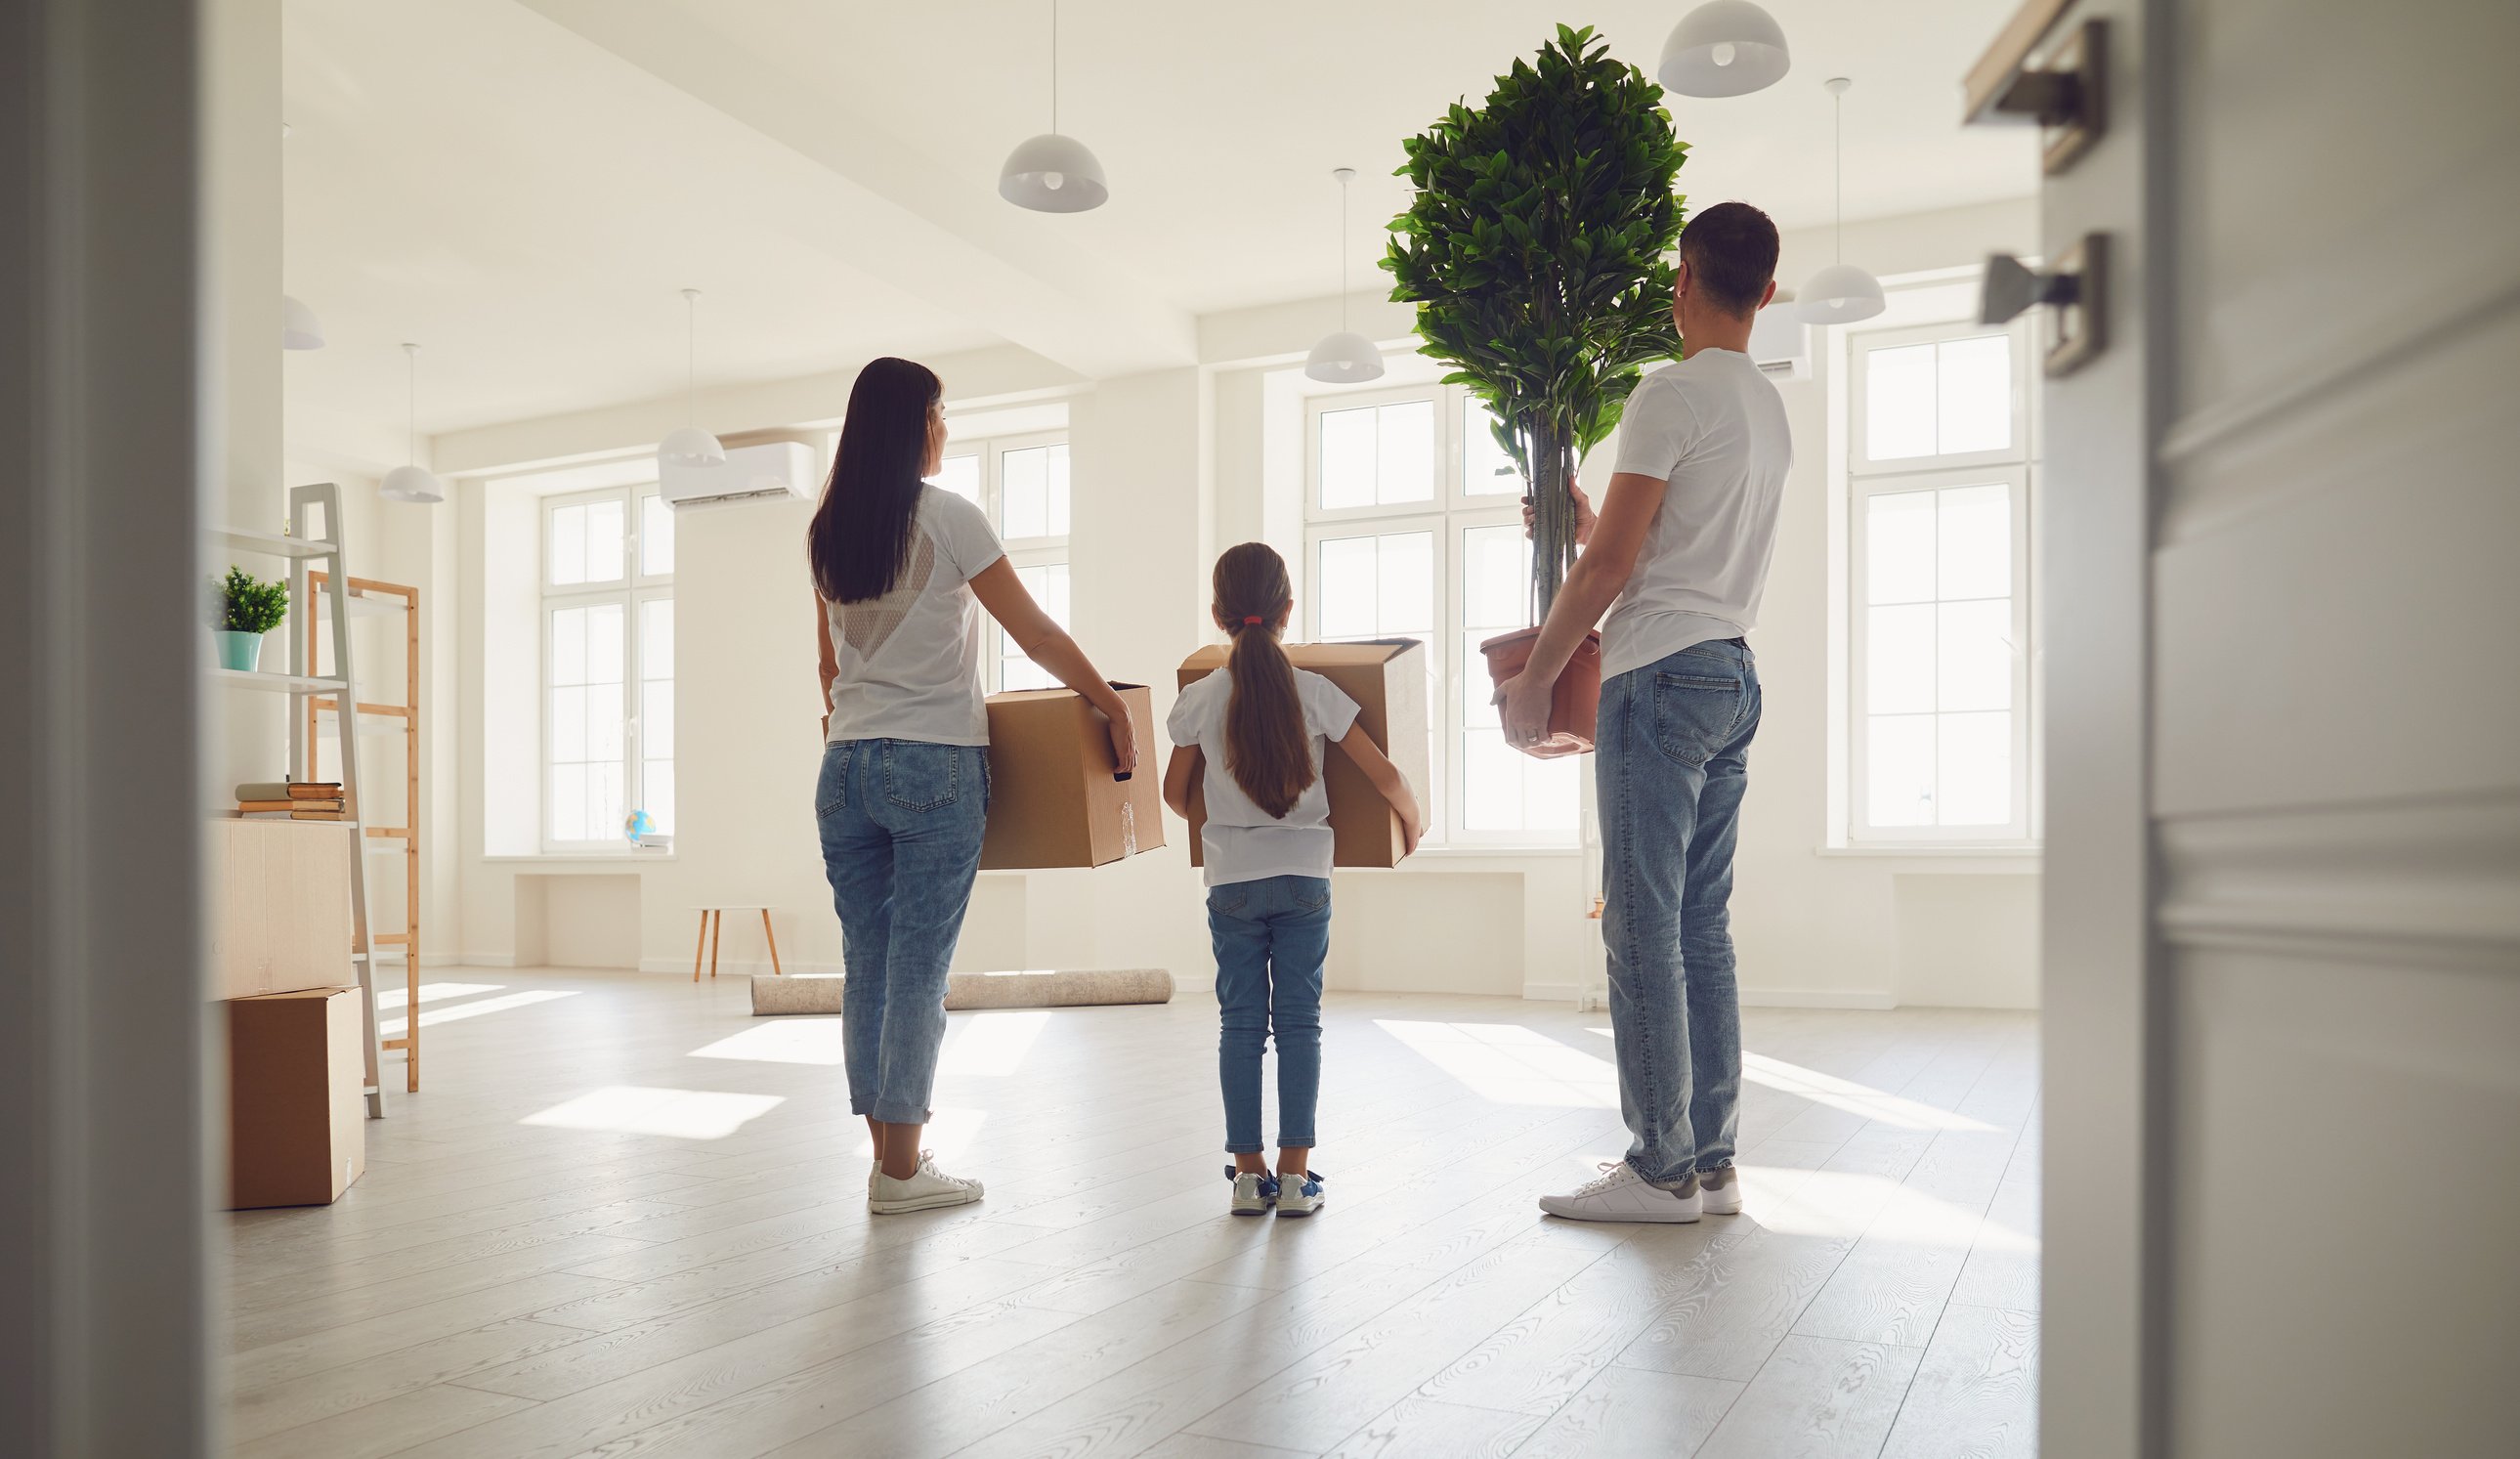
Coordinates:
column 1359, row 746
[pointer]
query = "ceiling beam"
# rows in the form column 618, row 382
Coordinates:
column 942, row 238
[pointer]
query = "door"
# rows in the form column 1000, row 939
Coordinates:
column 2282, row 938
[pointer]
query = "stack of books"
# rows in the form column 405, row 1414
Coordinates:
column 291, row 800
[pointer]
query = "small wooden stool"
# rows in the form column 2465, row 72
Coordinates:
column 709, row 944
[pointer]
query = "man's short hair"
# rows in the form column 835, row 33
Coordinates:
column 1731, row 250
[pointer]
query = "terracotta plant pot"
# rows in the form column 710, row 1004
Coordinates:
column 1577, row 701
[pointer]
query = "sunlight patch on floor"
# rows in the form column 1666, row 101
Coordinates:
column 1853, row 1097
column 1511, row 1065
column 432, row 992
column 787, row 1040
column 682, row 1114
column 389, row 1028
column 1832, row 1203
column 991, row 1043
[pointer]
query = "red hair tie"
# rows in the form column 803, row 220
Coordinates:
column 1251, row 619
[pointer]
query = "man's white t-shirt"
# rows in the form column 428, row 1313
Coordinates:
column 910, row 660
column 1714, row 428
column 1240, row 841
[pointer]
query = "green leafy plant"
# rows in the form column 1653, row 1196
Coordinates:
column 240, row 603
column 1537, row 252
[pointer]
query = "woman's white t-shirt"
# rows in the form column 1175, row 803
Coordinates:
column 1240, row 841
column 910, row 660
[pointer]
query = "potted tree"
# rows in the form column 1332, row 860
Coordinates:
column 242, row 609
column 1537, row 252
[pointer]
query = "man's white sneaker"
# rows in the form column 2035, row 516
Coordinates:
column 1254, row 1192
column 926, row 1189
column 1300, row 1195
column 1620, row 1194
column 1719, row 1191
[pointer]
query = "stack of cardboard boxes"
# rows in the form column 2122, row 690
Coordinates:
column 280, row 962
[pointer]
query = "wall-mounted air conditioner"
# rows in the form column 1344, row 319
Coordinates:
column 773, row 472
column 1780, row 342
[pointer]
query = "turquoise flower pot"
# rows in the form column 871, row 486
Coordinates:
column 239, row 651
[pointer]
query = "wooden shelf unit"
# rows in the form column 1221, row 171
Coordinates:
column 370, row 594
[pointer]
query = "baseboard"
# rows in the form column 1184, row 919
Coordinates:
column 474, row 960
column 1865, row 998
column 1550, row 992
column 735, row 968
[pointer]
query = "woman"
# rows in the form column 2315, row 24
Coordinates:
column 901, row 570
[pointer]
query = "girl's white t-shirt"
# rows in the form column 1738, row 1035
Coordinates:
column 910, row 660
column 1240, row 841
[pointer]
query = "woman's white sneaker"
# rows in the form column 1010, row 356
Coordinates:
column 926, row 1189
column 1254, row 1192
column 1300, row 1195
column 1620, row 1194
column 1719, row 1191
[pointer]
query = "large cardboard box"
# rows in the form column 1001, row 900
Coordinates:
column 1387, row 679
column 298, row 1122
column 1054, row 795
column 281, row 922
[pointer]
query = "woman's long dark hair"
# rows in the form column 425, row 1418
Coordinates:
column 862, row 531
column 1266, row 749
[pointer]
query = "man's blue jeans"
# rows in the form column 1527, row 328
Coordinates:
column 1270, row 938
column 901, row 823
column 1671, row 756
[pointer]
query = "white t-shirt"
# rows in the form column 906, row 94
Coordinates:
column 1241, row 841
column 1714, row 428
column 910, row 660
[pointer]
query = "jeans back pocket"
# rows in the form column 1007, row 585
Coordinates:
column 1695, row 714
column 831, row 787
column 920, row 777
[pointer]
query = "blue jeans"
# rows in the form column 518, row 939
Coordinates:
column 1670, row 758
column 901, row 823
column 1271, row 936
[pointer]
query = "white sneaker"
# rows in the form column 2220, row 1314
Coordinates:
column 1620, row 1194
column 1720, row 1190
column 926, row 1189
column 1254, row 1192
column 1300, row 1195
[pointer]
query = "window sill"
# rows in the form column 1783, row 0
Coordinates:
column 582, row 859
column 1982, row 861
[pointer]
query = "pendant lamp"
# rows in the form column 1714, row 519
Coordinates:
column 1344, row 357
column 688, row 444
column 1840, row 294
column 1724, row 48
column 299, row 326
column 411, row 482
column 1050, row 172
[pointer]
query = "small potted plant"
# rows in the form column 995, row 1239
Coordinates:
column 1537, row 250
column 242, row 609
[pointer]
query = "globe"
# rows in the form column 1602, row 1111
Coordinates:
column 639, row 826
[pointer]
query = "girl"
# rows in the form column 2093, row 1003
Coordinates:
column 901, row 571
column 1258, row 728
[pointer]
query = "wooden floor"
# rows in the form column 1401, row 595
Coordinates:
column 627, row 1218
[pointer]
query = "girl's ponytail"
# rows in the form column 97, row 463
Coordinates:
column 1265, row 749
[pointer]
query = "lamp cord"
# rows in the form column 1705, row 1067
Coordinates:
column 1342, row 251
column 1054, row 67
column 1837, row 177
column 411, row 404
column 691, row 359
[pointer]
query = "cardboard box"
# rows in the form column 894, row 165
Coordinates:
column 1387, row 679
column 1054, row 799
column 282, row 918
column 297, row 1120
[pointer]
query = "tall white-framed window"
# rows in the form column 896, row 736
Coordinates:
column 607, row 599
column 1413, row 528
column 1021, row 482
column 1942, row 474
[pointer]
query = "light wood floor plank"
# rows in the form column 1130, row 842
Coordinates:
column 1977, row 1392
column 1816, row 1398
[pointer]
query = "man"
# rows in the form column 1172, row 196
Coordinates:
column 1679, row 556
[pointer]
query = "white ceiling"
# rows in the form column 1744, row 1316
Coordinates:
column 523, row 185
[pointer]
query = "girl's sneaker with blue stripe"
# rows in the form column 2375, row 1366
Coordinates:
column 1300, row 1195
column 1254, row 1191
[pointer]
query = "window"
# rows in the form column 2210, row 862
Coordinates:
column 1940, row 466
column 1414, row 529
column 608, row 664
column 1021, row 482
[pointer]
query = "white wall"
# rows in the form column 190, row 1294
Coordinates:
column 1169, row 468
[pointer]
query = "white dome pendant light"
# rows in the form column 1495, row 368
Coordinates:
column 410, row 481
column 687, row 445
column 299, row 326
column 1724, row 48
column 1840, row 294
column 1344, row 357
column 1051, row 173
